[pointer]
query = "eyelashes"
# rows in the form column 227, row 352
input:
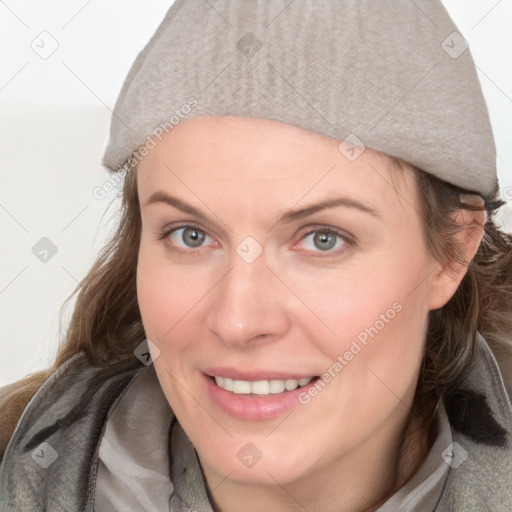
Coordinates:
column 318, row 241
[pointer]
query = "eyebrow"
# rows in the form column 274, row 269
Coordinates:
column 324, row 205
column 289, row 216
column 162, row 197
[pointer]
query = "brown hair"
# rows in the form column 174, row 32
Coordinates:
column 106, row 323
column 482, row 303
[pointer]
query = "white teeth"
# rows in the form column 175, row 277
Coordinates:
column 228, row 384
column 291, row 384
column 225, row 383
column 277, row 386
column 260, row 387
column 241, row 387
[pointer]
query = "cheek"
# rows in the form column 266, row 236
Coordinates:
column 168, row 298
column 372, row 361
column 377, row 312
column 376, row 335
column 153, row 298
column 169, row 305
column 383, row 296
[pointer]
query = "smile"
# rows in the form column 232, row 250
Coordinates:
column 260, row 387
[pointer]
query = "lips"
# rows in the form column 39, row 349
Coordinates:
column 252, row 375
column 254, row 407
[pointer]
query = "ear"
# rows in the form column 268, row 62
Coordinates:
column 446, row 280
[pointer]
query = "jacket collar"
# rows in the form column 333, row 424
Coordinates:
column 480, row 413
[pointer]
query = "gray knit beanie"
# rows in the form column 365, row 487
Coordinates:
column 395, row 76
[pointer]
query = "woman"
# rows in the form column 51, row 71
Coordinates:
column 308, row 269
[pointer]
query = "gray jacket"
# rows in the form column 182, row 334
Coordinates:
column 51, row 462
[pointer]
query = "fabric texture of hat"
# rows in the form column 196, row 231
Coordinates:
column 392, row 76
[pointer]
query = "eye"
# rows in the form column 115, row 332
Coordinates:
column 189, row 237
column 326, row 239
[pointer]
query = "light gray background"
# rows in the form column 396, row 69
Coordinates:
column 54, row 116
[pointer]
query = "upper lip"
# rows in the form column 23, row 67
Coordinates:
column 254, row 375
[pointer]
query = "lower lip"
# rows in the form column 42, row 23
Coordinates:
column 254, row 407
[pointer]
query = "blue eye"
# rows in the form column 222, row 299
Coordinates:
column 189, row 236
column 324, row 240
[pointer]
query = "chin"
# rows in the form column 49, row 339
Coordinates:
column 250, row 465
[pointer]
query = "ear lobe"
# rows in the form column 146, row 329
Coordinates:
column 447, row 279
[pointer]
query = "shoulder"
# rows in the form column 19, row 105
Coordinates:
column 76, row 388
column 60, row 427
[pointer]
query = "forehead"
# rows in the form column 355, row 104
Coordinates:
column 266, row 160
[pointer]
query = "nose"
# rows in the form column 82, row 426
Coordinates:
column 248, row 305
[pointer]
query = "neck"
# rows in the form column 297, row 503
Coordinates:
column 413, row 450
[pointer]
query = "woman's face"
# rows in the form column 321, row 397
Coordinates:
column 268, row 255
